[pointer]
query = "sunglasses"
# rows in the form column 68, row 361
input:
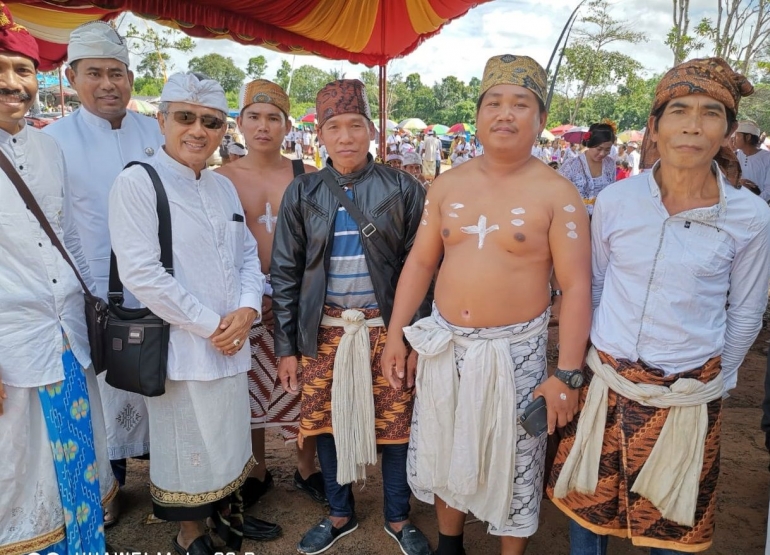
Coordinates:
column 188, row 118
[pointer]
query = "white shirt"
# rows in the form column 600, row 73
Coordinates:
column 756, row 168
column 307, row 138
column 95, row 155
column 39, row 293
column 216, row 268
column 633, row 160
column 661, row 283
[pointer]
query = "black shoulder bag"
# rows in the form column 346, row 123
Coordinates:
column 96, row 308
column 365, row 225
column 136, row 341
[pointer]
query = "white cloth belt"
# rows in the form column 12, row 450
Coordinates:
column 670, row 477
column 467, row 440
column 352, row 396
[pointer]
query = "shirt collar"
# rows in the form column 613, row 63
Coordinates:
column 352, row 178
column 704, row 214
column 96, row 121
column 177, row 167
column 21, row 137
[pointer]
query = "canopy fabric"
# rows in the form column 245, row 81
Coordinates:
column 562, row 129
column 371, row 32
column 413, row 124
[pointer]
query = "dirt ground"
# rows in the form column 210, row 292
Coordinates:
column 741, row 507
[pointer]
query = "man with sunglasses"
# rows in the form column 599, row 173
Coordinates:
column 201, row 447
column 334, row 278
column 98, row 140
column 261, row 178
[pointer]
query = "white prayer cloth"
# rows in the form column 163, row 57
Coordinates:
column 670, row 477
column 353, row 396
column 96, row 39
column 201, row 440
column 85, row 138
column 467, row 444
column 187, row 88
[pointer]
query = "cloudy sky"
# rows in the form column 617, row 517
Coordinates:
column 498, row 27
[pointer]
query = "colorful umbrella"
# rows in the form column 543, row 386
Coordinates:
column 459, row 128
column 631, row 135
column 363, row 31
column 438, row 129
column 545, row 134
column 309, row 118
column 575, row 134
column 562, row 129
column 142, row 106
column 413, row 124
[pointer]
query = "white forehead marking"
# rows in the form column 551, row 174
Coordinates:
column 424, row 222
column 427, row 202
column 572, row 235
column 571, row 225
column 569, row 208
column 456, row 206
column 453, row 215
column 518, row 211
column 517, row 222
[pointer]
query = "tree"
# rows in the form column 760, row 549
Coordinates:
column 220, row 69
column 678, row 40
column 283, row 75
column 257, row 67
column 306, row 82
column 589, row 65
column 757, row 106
column 155, row 43
column 154, row 65
column 740, row 31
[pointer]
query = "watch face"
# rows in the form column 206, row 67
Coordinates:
column 576, row 380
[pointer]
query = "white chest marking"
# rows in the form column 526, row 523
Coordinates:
column 518, row 211
column 267, row 218
column 481, row 229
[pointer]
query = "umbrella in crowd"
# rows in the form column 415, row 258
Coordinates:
column 547, row 135
column 562, row 129
column 438, row 129
column 142, row 106
column 631, row 135
column 310, row 118
column 459, row 128
column 413, row 124
column 575, row 134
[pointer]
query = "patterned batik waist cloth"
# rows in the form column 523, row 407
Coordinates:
column 271, row 406
column 631, row 431
column 392, row 409
column 49, row 477
column 465, row 429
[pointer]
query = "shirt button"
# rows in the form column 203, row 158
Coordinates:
column 54, row 281
column 40, row 244
column 21, row 167
column 14, row 141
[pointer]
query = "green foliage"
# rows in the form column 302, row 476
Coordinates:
column 307, row 81
column 219, row 68
column 283, row 75
column 232, row 99
column 300, row 109
column 148, row 86
column 257, row 67
column 154, row 65
column 757, row 106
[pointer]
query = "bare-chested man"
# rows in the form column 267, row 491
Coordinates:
column 503, row 222
column 261, row 177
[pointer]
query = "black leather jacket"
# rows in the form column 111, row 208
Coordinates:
column 392, row 199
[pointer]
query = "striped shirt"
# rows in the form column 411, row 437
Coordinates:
column 349, row 284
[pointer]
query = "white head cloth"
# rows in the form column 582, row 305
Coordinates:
column 97, row 39
column 237, row 149
column 411, row 158
column 186, row 87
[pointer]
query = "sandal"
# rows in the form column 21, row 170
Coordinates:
column 112, row 512
column 202, row 545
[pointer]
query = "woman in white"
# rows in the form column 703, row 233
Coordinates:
column 755, row 162
column 592, row 170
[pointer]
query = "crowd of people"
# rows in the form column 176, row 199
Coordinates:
column 362, row 313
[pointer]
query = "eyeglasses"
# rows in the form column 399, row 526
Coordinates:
column 188, row 118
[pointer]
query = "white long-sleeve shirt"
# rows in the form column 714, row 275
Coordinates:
column 39, row 293
column 96, row 153
column 756, row 168
column 675, row 291
column 216, row 267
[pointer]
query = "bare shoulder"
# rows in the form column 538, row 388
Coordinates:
column 228, row 170
column 554, row 185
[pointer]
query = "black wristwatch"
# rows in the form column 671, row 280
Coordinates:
column 572, row 378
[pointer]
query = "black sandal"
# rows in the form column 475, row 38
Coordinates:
column 202, row 545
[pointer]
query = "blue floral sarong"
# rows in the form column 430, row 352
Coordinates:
column 68, row 418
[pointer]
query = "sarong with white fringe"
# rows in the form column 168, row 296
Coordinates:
column 392, row 409
column 466, row 444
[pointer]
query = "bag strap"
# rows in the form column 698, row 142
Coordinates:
column 365, row 225
column 298, row 166
column 34, row 207
column 164, row 234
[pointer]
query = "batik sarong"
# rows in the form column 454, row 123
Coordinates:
column 271, row 406
column 525, row 343
column 631, row 431
column 392, row 409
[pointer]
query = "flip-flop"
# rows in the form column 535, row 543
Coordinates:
column 112, row 512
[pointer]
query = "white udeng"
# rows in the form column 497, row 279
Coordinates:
column 670, row 477
column 468, row 426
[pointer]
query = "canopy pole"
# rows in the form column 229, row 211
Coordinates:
column 383, row 111
column 61, row 91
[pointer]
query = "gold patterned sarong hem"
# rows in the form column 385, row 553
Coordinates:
column 33, row 544
column 112, row 493
column 184, row 499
